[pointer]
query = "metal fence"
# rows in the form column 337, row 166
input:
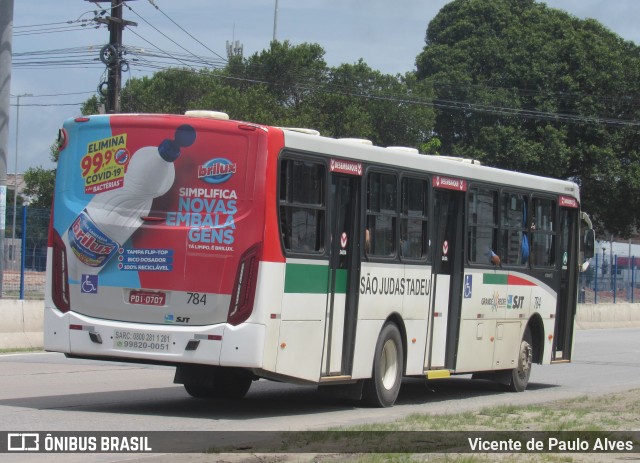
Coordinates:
column 25, row 253
column 614, row 279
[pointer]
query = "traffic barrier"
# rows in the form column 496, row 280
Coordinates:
column 22, row 324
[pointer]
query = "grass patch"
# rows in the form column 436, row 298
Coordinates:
column 22, row 350
column 612, row 412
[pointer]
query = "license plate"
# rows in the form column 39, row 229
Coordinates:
column 147, row 297
column 141, row 341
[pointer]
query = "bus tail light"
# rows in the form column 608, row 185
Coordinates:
column 59, row 272
column 244, row 288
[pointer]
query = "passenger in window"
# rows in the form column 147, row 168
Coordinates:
column 367, row 242
column 493, row 257
column 404, row 248
column 524, row 248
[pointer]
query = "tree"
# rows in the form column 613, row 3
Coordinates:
column 525, row 87
column 92, row 105
column 291, row 85
column 40, row 182
column 290, row 72
column 357, row 101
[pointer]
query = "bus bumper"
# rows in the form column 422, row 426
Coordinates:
column 221, row 344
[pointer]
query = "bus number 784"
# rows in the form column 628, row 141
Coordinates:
column 197, row 298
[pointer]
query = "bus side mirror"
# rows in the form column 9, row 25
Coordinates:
column 589, row 243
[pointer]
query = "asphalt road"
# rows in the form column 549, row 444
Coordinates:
column 47, row 392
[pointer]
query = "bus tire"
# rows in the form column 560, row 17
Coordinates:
column 520, row 375
column 233, row 383
column 199, row 391
column 227, row 383
column 382, row 389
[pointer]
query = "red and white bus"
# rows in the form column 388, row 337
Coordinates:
column 237, row 251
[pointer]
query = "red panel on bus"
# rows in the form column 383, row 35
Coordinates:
column 568, row 201
column 449, row 183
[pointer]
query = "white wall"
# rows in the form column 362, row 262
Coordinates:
column 21, row 322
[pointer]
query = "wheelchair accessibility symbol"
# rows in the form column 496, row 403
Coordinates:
column 468, row 284
column 89, row 284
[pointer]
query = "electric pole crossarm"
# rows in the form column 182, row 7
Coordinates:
column 111, row 53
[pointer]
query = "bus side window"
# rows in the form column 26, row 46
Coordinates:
column 543, row 233
column 414, row 219
column 513, row 235
column 381, row 214
column 483, row 224
column 302, row 206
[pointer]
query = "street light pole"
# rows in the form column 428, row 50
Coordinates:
column 275, row 22
column 15, row 181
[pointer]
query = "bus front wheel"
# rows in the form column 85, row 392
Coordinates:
column 520, row 375
column 383, row 387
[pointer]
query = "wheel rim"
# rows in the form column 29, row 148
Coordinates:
column 524, row 360
column 389, row 364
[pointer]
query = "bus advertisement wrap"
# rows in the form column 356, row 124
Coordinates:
column 153, row 216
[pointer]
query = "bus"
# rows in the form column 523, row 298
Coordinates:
column 237, row 251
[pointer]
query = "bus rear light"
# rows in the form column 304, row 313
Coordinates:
column 208, row 337
column 244, row 288
column 62, row 140
column 59, row 272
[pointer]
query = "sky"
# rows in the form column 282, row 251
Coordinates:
column 386, row 34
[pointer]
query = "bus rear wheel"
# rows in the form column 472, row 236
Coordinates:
column 383, row 387
column 521, row 373
column 225, row 383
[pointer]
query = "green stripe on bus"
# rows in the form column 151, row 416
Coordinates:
column 309, row 279
column 312, row 279
column 494, row 279
column 341, row 281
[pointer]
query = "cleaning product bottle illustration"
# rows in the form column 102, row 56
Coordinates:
column 111, row 217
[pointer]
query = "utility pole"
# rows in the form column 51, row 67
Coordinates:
column 111, row 54
column 6, row 37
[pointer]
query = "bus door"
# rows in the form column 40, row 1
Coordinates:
column 448, row 268
column 568, row 262
column 344, row 265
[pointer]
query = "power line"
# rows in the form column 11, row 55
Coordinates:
column 55, row 94
column 43, row 24
column 152, row 2
column 64, row 26
column 50, row 104
column 333, row 88
column 154, row 46
column 451, row 104
column 158, row 59
column 161, row 33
